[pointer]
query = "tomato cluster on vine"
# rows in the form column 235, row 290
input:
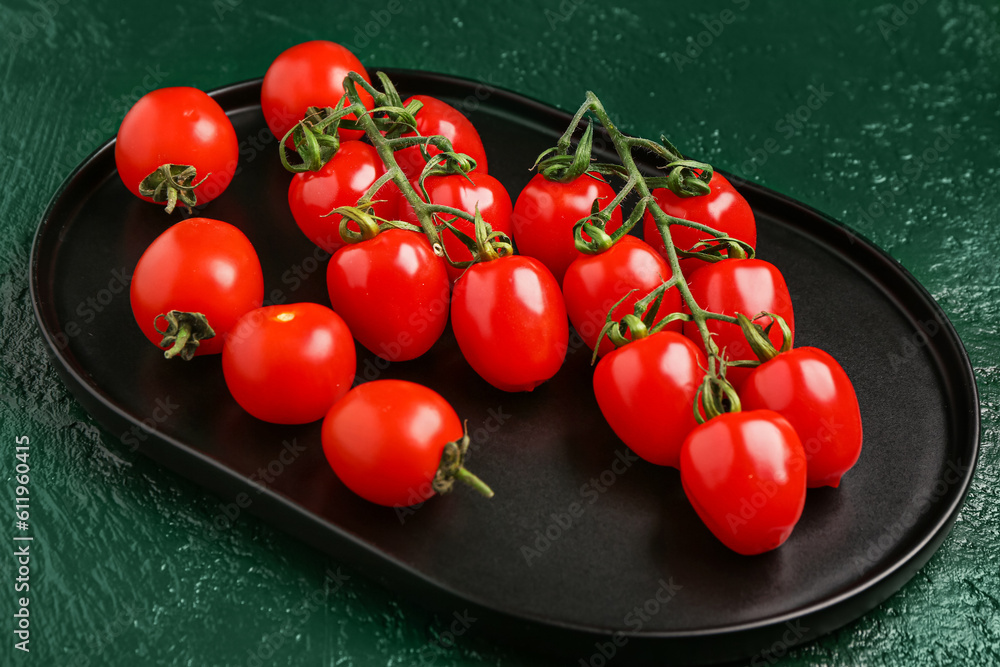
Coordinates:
column 693, row 332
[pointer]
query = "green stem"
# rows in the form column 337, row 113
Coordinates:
column 182, row 333
column 183, row 336
column 623, row 145
column 452, row 467
column 384, row 147
column 479, row 485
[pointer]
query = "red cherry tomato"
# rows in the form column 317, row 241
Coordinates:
column 810, row 389
column 594, row 283
column 437, row 117
column 732, row 286
column 385, row 438
column 723, row 209
column 392, row 290
column 456, row 191
column 177, row 126
column 341, row 182
column 510, row 322
column 646, row 391
column 309, row 74
column 198, row 265
column 745, row 475
column 546, row 211
column 288, row 364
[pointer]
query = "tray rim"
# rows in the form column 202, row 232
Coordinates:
column 159, row 443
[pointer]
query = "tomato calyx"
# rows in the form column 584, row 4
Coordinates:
column 369, row 224
column 757, row 336
column 452, row 468
column 556, row 164
column 397, row 118
column 402, row 119
column 685, row 178
column 486, row 247
column 315, row 138
column 183, row 333
column 641, row 322
column 446, row 163
column 593, row 226
column 170, row 183
column 715, row 397
column 717, row 249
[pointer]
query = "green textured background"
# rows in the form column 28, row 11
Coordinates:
column 123, row 574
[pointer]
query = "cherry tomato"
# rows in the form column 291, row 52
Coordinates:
column 546, row 211
column 385, row 438
column 289, row 364
column 341, row 182
column 309, row 74
column 177, row 126
column 437, row 117
column 198, row 265
column 723, row 209
column 646, row 391
column 510, row 322
column 745, row 475
column 594, row 283
column 392, row 290
column 810, row 389
column 456, row 191
column 747, row 286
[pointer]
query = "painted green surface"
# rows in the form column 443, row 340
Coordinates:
column 901, row 145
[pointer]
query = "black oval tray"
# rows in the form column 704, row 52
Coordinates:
column 584, row 551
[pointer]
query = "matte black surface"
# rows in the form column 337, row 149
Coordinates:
column 853, row 547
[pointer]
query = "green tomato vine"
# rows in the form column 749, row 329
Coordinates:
column 315, row 139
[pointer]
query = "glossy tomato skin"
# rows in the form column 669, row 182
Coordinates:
column 385, row 438
column 198, row 265
column 723, row 209
column 457, row 192
column 340, row 182
column 437, row 117
column 545, row 212
column 180, row 126
column 745, row 475
column 288, row 364
column 747, row 286
column 510, row 322
column 595, row 283
column 812, row 391
column 646, row 391
column 309, row 74
column 392, row 291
